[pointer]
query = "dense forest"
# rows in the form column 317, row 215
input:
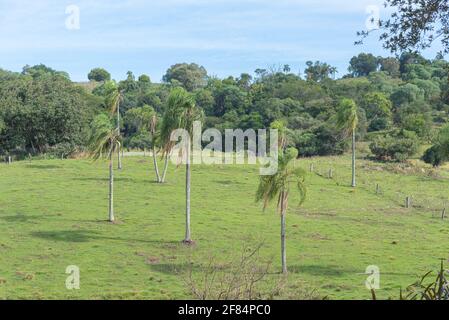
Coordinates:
column 402, row 103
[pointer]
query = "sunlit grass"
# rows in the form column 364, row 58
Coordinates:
column 53, row 214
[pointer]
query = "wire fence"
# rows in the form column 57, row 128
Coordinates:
column 402, row 193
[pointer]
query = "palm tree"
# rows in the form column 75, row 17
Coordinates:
column 114, row 99
column 153, row 128
column 105, row 140
column 282, row 133
column 164, row 173
column 347, row 120
column 278, row 186
column 181, row 113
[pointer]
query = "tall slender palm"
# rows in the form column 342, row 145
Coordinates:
column 114, row 99
column 153, row 128
column 278, row 186
column 347, row 120
column 164, row 172
column 105, row 140
column 181, row 113
column 282, row 133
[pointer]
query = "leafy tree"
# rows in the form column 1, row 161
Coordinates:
column 227, row 98
column 415, row 25
column 278, row 187
column 407, row 58
column 144, row 79
column 417, row 123
column 406, row 94
column 391, row 66
column 347, row 120
column 190, row 76
column 206, row 101
column 137, row 120
column 319, row 71
column 43, row 112
column 181, row 113
column 105, row 140
column 378, row 110
column 244, row 81
column 363, row 64
column 439, row 152
column 99, row 75
column 42, row 70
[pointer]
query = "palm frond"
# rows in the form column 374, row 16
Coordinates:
column 347, row 117
column 104, row 137
column 181, row 113
column 271, row 187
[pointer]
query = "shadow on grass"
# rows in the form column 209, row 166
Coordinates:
column 315, row 270
column 66, row 236
column 228, row 182
column 20, row 218
column 107, row 180
column 42, row 166
column 176, row 269
column 86, row 236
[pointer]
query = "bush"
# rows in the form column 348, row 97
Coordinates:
column 379, row 125
column 62, row 150
column 245, row 276
column 140, row 141
column 323, row 141
column 433, row 156
column 396, row 146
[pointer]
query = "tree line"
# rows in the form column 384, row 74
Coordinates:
column 401, row 103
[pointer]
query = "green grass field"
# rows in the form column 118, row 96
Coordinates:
column 52, row 214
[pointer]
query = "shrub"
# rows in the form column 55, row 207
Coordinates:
column 433, row 290
column 395, row 146
column 62, row 150
column 433, row 156
column 379, row 124
column 439, row 152
column 246, row 276
column 322, row 141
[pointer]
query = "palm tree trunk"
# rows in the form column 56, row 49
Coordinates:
column 353, row 159
column 188, row 176
column 164, row 175
column 111, row 189
column 156, row 167
column 119, row 159
column 283, row 233
column 119, row 148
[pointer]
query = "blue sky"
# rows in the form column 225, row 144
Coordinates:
column 227, row 37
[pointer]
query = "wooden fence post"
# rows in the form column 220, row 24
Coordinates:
column 377, row 189
column 408, row 202
column 311, row 167
column 9, row 160
column 443, row 214
column 331, row 173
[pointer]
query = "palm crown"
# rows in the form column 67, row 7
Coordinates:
column 104, row 138
column 272, row 187
column 347, row 118
column 181, row 113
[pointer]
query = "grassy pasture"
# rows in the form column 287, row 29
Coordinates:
column 53, row 214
